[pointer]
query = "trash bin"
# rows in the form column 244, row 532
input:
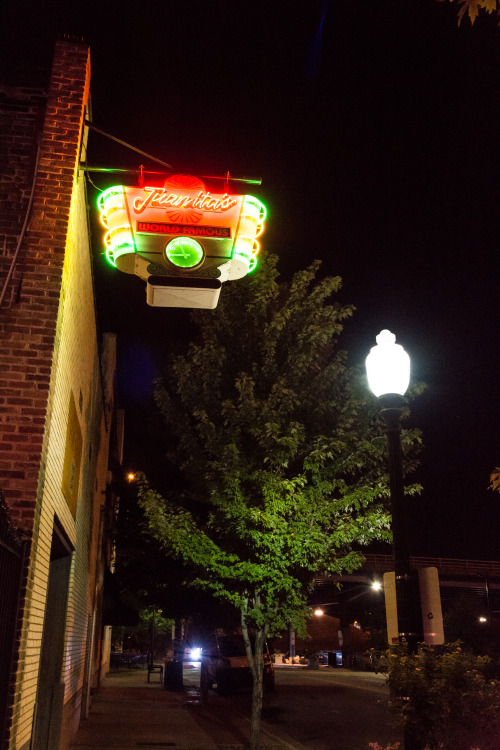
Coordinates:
column 314, row 661
column 173, row 675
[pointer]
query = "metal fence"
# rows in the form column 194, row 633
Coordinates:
column 11, row 571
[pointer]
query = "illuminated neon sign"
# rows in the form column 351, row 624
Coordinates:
column 141, row 221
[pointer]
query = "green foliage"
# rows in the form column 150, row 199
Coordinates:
column 143, row 569
column 472, row 8
column 163, row 625
column 139, row 637
column 451, row 704
column 495, row 480
column 279, row 444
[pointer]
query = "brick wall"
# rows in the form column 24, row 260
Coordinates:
column 49, row 355
column 21, row 116
column 28, row 330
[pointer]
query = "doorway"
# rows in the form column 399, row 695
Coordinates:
column 50, row 694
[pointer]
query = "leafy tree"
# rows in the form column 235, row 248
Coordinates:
column 495, row 480
column 146, row 635
column 281, row 452
column 472, row 8
column 150, row 577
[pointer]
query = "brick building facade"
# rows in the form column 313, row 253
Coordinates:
column 59, row 428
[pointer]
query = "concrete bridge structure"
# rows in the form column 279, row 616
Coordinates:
column 476, row 580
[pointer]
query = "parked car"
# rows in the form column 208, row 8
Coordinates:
column 225, row 663
column 192, row 653
column 126, row 659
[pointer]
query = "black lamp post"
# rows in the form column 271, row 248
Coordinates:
column 388, row 371
column 153, row 635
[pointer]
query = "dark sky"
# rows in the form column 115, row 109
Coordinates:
column 375, row 127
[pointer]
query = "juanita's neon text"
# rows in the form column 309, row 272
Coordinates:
column 161, row 198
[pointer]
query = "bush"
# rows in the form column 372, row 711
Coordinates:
column 444, row 697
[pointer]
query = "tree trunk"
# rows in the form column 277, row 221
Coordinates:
column 257, row 694
column 256, row 661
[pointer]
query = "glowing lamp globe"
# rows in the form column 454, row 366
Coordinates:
column 388, row 366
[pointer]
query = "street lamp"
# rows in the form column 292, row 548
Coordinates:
column 388, row 372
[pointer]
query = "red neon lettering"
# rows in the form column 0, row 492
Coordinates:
column 140, row 206
column 227, row 202
column 149, row 227
column 175, row 200
column 209, row 231
column 160, row 198
column 208, row 202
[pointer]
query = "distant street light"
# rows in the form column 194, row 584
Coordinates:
column 388, row 372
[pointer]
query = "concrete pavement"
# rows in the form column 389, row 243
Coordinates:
column 128, row 712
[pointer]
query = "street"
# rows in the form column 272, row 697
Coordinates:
column 324, row 709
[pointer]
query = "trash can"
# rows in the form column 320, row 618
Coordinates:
column 173, row 675
column 314, row 661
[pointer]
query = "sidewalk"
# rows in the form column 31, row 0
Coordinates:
column 127, row 713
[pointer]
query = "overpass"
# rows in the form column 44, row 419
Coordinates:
column 478, row 580
column 445, row 565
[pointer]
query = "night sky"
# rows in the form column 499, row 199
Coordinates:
column 375, row 128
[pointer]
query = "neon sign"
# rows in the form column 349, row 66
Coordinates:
column 139, row 220
column 216, row 234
